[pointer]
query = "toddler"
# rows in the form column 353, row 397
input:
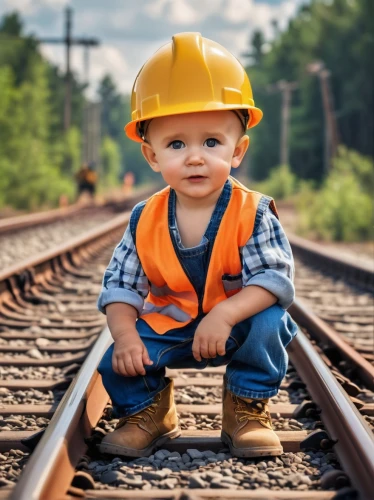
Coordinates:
column 203, row 274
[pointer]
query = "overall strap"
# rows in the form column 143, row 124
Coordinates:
column 264, row 204
column 134, row 218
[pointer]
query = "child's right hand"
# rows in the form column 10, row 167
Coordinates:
column 130, row 356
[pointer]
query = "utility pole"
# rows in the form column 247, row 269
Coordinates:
column 328, row 107
column 286, row 88
column 92, row 134
column 68, row 40
column 331, row 129
column 67, row 104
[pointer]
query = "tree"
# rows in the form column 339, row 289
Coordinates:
column 115, row 114
column 34, row 152
column 28, row 178
column 339, row 33
column 110, row 162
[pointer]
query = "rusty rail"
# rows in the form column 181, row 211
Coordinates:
column 354, row 443
column 83, row 404
column 23, row 221
column 63, row 442
column 355, row 273
column 18, row 222
column 38, row 262
column 303, row 315
column 51, row 467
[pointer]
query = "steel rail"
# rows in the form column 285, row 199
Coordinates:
column 354, row 442
column 33, row 219
column 353, row 272
column 84, row 413
column 51, row 468
column 363, row 276
column 63, row 441
column 73, row 244
column 17, row 222
column 80, row 409
column 303, row 315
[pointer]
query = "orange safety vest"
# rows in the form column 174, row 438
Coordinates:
column 172, row 301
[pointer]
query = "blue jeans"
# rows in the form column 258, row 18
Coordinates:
column 256, row 360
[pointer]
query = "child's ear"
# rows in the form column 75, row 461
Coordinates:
column 150, row 156
column 240, row 151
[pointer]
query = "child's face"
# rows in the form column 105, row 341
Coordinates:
column 194, row 152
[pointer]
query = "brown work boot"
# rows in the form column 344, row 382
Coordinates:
column 138, row 435
column 246, row 427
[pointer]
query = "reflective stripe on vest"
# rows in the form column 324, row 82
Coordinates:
column 172, row 301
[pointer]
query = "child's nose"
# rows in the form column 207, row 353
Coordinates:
column 195, row 158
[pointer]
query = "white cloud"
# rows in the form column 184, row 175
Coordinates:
column 260, row 15
column 131, row 31
column 31, row 6
column 182, row 12
column 154, row 8
column 108, row 58
column 237, row 10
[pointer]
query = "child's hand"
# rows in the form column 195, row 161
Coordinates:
column 130, row 356
column 211, row 336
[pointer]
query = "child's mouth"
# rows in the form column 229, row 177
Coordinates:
column 196, row 178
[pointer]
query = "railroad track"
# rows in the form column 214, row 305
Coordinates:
column 26, row 235
column 18, row 222
column 50, row 326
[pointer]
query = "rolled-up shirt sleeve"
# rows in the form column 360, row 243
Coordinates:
column 124, row 279
column 267, row 260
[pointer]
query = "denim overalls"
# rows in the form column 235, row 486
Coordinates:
column 256, row 354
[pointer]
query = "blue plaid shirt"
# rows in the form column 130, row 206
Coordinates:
column 266, row 262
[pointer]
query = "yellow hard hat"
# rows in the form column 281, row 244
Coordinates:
column 188, row 75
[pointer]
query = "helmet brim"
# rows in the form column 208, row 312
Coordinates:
column 131, row 129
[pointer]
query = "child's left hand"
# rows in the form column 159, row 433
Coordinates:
column 211, row 336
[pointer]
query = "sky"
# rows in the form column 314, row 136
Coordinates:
column 130, row 31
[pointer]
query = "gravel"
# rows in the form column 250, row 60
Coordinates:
column 22, row 423
column 11, row 465
column 213, row 395
column 31, row 372
column 29, row 396
column 83, row 293
column 46, row 236
column 39, row 343
column 206, row 469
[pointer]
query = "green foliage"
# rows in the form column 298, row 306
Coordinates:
column 342, row 209
column 72, row 152
column 112, row 114
column 281, row 183
column 350, row 162
column 110, row 163
column 37, row 159
column 28, row 180
column 115, row 114
column 133, row 156
column 340, row 34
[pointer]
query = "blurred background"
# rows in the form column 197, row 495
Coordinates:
column 67, row 68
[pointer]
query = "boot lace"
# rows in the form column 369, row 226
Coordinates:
column 254, row 410
column 139, row 417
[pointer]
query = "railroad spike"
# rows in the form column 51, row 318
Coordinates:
column 336, row 479
column 32, row 441
column 314, row 439
column 306, row 409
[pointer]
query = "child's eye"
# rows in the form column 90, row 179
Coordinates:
column 176, row 144
column 211, row 142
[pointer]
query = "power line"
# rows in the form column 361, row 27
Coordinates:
column 68, row 41
column 331, row 129
column 286, row 88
